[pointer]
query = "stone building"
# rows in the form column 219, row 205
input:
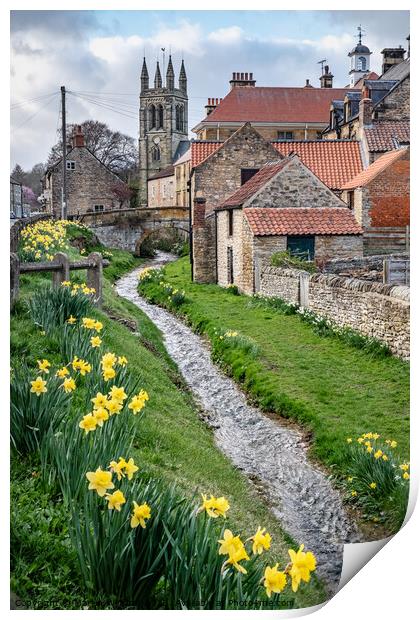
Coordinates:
column 91, row 186
column 163, row 115
column 282, row 207
column 379, row 197
column 277, row 113
column 161, row 188
column 213, row 179
column 182, row 178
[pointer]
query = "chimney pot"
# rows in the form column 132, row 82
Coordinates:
column 250, row 76
column 307, row 82
column 242, row 76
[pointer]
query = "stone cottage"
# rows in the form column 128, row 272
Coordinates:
column 379, row 197
column 91, row 186
column 161, row 188
column 282, row 207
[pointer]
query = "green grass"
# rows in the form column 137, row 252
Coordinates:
column 334, row 390
column 171, row 442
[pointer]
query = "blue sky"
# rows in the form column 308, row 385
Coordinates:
column 98, row 54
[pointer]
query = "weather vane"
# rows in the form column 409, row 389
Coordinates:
column 321, row 62
column 361, row 32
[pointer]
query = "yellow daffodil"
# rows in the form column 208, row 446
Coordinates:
column 66, row 283
column 95, row 341
column 108, row 360
column 354, row 493
column 375, row 436
column 378, row 454
column 130, row 468
column 404, row 466
column 88, row 323
column 215, row 506
column 373, row 485
column 369, row 449
column 117, row 393
column 303, row 563
column 100, row 400
column 140, row 513
column 68, row 385
column 84, row 367
column 393, row 444
column 118, row 468
column 274, row 580
column 108, row 373
column 115, row 500
column 38, row 386
column 114, row 406
column 138, row 401
column 62, row 372
column 360, row 440
column 233, row 547
column 71, row 319
column 350, row 479
column 384, row 457
column 261, row 541
column 98, row 325
column 406, row 475
column 122, row 361
column 88, row 423
column 101, row 415
column 100, row 481
column 349, row 439
column 43, row 365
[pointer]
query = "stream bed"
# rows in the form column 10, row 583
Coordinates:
column 268, row 451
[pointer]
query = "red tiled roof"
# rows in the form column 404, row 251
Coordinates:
column 299, row 221
column 380, row 136
column 376, row 168
column 335, row 162
column 255, row 183
column 370, row 76
column 276, row 105
column 200, row 150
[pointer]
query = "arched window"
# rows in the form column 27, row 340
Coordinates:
column 179, row 118
column 152, row 117
column 361, row 63
column 159, row 117
column 156, row 153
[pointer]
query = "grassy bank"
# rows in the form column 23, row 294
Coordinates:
column 170, row 442
column 334, row 390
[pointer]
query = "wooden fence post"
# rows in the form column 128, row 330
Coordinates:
column 14, row 277
column 64, row 274
column 94, row 276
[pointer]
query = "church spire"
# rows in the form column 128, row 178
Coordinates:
column 158, row 77
column 183, row 78
column 170, row 75
column 144, row 79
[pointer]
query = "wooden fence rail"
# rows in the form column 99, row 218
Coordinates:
column 396, row 271
column 60, row 268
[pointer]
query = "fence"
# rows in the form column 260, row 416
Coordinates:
column 396, row 271
column 386, row 240
column 60, row 268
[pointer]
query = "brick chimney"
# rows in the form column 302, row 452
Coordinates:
column 365, row 112
column 78, row 139
column 212, row 104
column 308, row 85
column 242, row 79
column 391, row 56
column 326, row 78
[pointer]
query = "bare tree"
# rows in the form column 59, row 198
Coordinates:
column 115, row 150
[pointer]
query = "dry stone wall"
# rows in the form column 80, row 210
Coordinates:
column 377, row 310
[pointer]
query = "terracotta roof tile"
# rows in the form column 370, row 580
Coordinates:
column 380, row 136
column 298, row 221
column 376, row 168
column 201, row 149
column 276, row 105
column 335, row 162
column 249, row 188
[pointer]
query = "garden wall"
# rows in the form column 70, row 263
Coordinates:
column 17, row 226
column 378, row 310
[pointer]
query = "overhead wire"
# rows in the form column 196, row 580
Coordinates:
column 109, row 107
column 24, row 102
column 47, row 103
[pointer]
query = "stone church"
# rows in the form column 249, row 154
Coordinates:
column 163, row 115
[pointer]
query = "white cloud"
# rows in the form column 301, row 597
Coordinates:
column 226, row 36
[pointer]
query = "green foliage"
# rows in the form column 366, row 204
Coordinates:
column 51, row 307
column 77, row 230
column 287, row 260
column 233, row 289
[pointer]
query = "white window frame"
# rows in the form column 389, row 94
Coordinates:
column 98, row 208
column 70, row 165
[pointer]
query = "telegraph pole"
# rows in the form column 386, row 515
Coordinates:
column 64, row 140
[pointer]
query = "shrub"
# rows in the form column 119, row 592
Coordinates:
column 233, row 289
column 287, row 260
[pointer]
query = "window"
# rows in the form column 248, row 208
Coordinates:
column 179, row 118
column 71, row 165
column 230, row 222
column 350, row 200
column 247, row 173
column 156, row 153
column 285, row 135
column 302, row 247
column 159, row 117
column 361, row 63
column 230, row 265
column 98, row 208
column 152, row 117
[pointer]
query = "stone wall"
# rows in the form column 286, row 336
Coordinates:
column 19, row 225
column 362, row 267
column 123, row 237
column 296, row 186
column 376, row 310
column 337, row 246
column 396, row 105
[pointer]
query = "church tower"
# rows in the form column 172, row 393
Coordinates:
column 163, row 119
column 359, row 60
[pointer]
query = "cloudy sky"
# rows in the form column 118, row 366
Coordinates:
column 97, row 55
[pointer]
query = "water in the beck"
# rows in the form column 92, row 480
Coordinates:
column 267, row 450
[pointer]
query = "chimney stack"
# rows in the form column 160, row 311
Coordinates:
column 326, row 78
column 308, row 85
column 212, row 104
column 78, row 139
column 365, row 112
column 242, row 79
column 391, row 56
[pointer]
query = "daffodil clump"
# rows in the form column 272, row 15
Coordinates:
column 230, row 342
column 174, row 296
column 299, row 569
column 376, row 479
column 150, row 275
column 41, row 240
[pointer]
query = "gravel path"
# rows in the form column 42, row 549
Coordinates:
column 265, row 449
